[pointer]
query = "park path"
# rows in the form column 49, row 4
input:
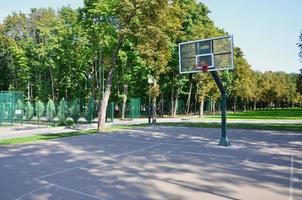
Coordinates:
column 30, row 129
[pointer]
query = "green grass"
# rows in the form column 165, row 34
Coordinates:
column 268, row 126
column 44, row 137
column 286, row 114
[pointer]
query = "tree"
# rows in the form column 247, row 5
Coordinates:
column 299, row 83
column 50, row 110
column 205, row 84
column 39, row 108
column 19, row 110
column 74, row 110
column 28, row 111
column 242, row 80
column 62, row 111
column 146, row 22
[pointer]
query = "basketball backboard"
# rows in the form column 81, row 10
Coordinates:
column 214, row 53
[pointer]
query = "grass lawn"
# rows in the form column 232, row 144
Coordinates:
column 277, row 127
column 286, row 113
column 44, row 137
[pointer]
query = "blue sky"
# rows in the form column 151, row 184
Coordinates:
column 266, row 30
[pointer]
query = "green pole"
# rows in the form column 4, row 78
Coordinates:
column 223, row 140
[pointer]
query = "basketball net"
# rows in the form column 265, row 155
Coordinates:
column 205, row 68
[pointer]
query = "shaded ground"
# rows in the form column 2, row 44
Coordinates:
column 155, row 163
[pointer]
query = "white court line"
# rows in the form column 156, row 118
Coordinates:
column 84, row 165
column 126, row 140
column 76, row 191
column 61, row 171
column 164, row 143
column 291, row 183
column 33, row 191
column 208, row 154
column 131, row 152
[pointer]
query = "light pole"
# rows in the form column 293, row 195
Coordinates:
column 150, row 81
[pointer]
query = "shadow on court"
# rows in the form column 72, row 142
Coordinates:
column 155, row 163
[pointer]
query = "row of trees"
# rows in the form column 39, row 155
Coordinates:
column 109, row 48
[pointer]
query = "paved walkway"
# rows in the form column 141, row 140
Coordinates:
column 29, row 129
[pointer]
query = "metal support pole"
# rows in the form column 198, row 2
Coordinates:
column 223, row 140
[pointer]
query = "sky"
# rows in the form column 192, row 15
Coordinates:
column 267, row 31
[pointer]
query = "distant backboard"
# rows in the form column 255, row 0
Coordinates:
column 215, row 53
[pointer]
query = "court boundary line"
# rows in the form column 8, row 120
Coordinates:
column 164, row 143
column 76, row 191
column 32, row 191
column 87, row 164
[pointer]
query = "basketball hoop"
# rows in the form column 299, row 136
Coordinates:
column 205, row 68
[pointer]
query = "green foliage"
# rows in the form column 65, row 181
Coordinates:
column 299, row 81
column 50, row 110
column 74, row 110
column 39, row 108
column 62, row 111
column 300, row 45
column 67, row 52
column 28, row 111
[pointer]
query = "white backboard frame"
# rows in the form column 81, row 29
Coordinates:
column 213, row 68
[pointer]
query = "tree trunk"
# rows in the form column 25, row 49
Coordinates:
column 162, row 104
column 214, row 107
column 175, row 103
column 189, row 99
column 234, row 105
column 104, row 102
column 172, row 99
column 124, row 98
column 154, row 110
column 52, row 84
column 201, row 105
column 124, row 106
column 255, row 105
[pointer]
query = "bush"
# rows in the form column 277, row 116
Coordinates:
column 50, row 110
column 28, row 111
column 69, row 122
column 19, row 111
column 39, row 109
column 62, row 111
column 74, row 111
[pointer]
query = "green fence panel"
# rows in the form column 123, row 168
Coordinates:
column 135, row 105
column 89, row 110
column 110, row 112
column 181, row 107
column 8, row 102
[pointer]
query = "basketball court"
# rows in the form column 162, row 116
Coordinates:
column 155, row 162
